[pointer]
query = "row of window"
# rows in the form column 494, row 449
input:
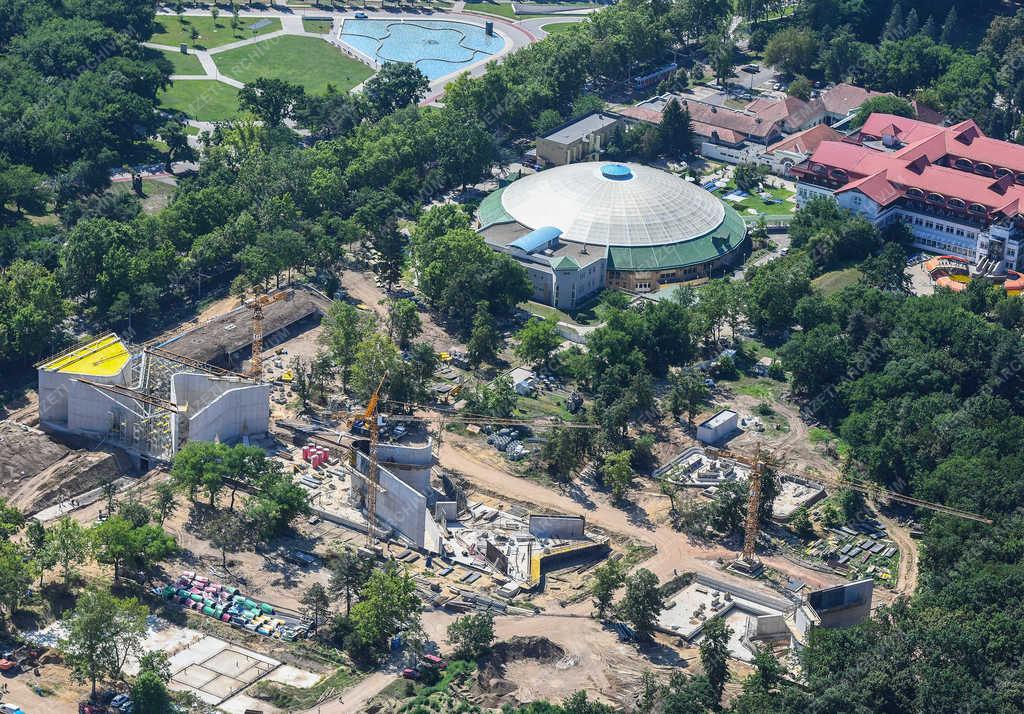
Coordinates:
column 935, row 226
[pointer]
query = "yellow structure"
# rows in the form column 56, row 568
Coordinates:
column 103, row 357
column 576, row 548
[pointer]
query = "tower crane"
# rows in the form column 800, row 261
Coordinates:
column 763, row 460
column 256, row 304
column 371, row 420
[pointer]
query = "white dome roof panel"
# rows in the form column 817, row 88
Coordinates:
column 607, row 204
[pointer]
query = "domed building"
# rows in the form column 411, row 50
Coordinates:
column 582, row 227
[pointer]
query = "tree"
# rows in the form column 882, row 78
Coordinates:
column 484, row 339
column 395, row 85
column 617, row 472
column 102, row 632
column 894, row 25
column 344, row 327
column 792, row 50
column 884, row 104
column 316, row 605
column 387, row 605
column 228, row 534
column 376, row 358
column 403, row 321
column 497, row 399
column 270, row 99
column 720, row 50
column 688, row 393
column 675, row 132
column 166, row 502
column 887, row 270
column 349, row 572
column 16, row 576
column 714, row 653
column 538, row 339
column 150, row 695
column 278, row 501
column 471, row 635
column 608, row 578
column 118, row 543
column 31, row 311
column 748, row 176
column 67, row 544
column 178, row 149
column 564, row 451
column 642, row 602
column 800, row 88
column 35, row 544
column 950, row 28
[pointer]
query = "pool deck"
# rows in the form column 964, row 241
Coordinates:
column 515, row 35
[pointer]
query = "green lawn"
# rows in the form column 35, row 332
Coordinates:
column 174, row 30
column 201, row 99
column 556, row 28
column 836, row 280
column 785, row 207
column 156, row 194
column 184, row 64
column 307, row 61
column 321, row 26
column 498, row 9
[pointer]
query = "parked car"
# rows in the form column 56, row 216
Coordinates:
column 119, row 701
column 361, row 16
column 410, row 673
column 9, row 708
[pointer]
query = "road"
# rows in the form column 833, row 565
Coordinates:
column 355, row 698
column 906, row 577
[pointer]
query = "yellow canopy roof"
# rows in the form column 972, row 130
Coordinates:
column 103, row 357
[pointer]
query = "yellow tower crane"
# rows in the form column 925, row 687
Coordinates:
column 256, row 304
column 763, row 460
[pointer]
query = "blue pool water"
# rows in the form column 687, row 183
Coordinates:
column 437, row 47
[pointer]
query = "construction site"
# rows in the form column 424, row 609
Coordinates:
column 397, row 482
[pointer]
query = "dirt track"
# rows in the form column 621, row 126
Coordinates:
column 675, row 552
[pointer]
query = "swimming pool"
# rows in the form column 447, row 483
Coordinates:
column 436, row 47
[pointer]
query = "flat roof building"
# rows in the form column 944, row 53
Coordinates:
column 582, row 139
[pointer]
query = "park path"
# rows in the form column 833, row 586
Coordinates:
column 354, row 699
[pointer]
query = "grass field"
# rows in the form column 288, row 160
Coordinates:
column 556, row 28
column 307, row 61
column 157, row 194
column 498, row 9
column 785, row 207
column 174, row 30
column 202, row 99
column 836, row 280
column 321, row 26
column 184, row 64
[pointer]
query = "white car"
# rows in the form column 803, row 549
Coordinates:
column 8, row 708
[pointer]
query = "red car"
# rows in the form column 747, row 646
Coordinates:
column 410, row 673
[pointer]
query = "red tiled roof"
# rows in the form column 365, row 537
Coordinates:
column 727, row 135
column 808, row 140
column 643, row 114
column 876, row 187
column 926, row 113
column 845, row 98
column 791, row 111
column 885, row 175
column 906, row 130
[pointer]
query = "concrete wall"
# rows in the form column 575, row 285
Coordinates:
column 446, row 510
column 767, row 626
column 411, row 463
column 54, row 390
column 399, row 505
column 237, row 410
column 563, row 527
column 843, row 605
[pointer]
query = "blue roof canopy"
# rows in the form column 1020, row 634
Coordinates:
column 533, row 241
